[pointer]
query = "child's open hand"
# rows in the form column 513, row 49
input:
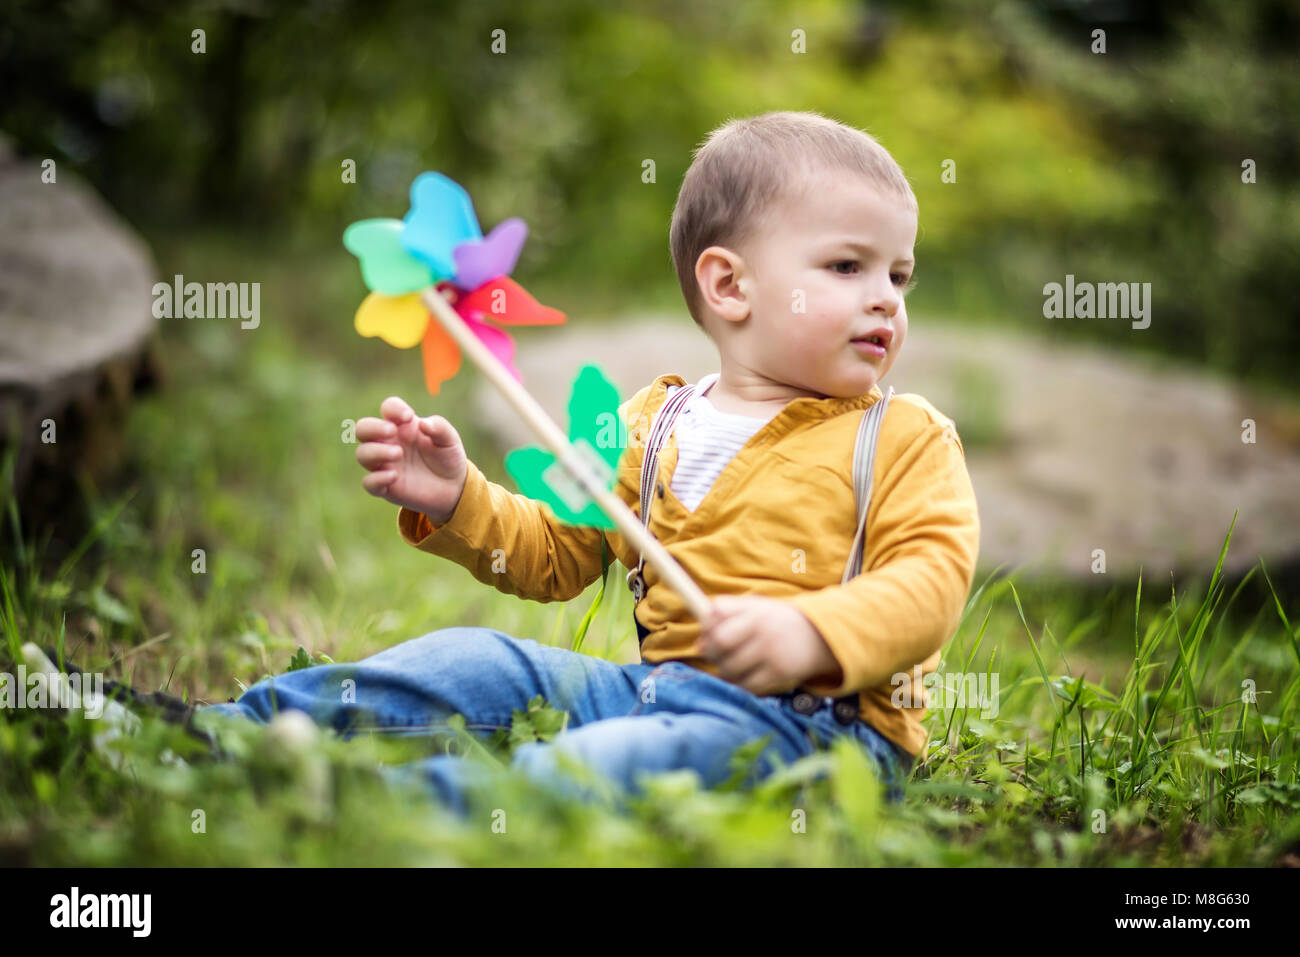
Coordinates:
column 764, row 645
column 417, row 463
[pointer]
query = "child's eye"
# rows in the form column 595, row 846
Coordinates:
column 904, row 281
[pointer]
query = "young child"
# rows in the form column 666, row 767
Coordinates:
column 793, row 240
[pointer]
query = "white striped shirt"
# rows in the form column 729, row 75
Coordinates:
column 706, row 441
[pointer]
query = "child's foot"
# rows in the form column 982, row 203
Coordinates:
column 117, row 718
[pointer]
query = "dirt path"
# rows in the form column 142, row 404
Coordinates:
column 1070, row 448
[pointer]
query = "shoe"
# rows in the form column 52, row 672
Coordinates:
column 112, row 720
column 157, row 703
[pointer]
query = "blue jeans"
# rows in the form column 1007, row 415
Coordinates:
column 624, row 720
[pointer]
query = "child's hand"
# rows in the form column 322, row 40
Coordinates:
column 417, row 463
column 765, row 645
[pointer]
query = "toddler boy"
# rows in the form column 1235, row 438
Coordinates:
column 793, row 241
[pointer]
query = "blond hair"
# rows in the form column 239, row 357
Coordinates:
column 746, row 165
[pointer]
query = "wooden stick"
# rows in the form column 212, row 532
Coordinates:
column 592, row 483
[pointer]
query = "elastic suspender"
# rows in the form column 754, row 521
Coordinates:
column 660, row 429
column 848, row 708
column 864, row 462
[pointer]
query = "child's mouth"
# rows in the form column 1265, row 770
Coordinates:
column 870, row 346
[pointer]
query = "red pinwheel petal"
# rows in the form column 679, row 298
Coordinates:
column 504, row 300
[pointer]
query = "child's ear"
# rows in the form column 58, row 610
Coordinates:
column 724, row 287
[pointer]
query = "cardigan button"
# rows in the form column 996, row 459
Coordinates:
column 660, row 487
column 805, row 703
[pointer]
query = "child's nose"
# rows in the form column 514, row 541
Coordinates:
column 883, row 299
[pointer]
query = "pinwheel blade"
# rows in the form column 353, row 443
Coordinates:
column 441, row 357
column 541, row 477
column 441, row 218
column 593, row 415
column 597, row 437
column 386, row 266
column 398, row 320
column 496, row 254
column 505, row 301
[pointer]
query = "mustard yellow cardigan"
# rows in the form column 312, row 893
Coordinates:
column 779, row 521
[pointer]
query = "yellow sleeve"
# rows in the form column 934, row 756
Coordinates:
column 922, row 544
column 515, row 544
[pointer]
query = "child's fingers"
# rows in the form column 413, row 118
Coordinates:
column 438, row 429
column 732, row 668
column 713, row 617
column 376, row 483
column 723, row 607
column 742, row 661
column 370, row 429
column 396, row 410
column 723, row 635
column 759, row 680
column 728, row 605
column 378, row 455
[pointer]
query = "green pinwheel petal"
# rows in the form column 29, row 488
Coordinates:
column 593, row 415
column 386, row 266
column 596, row 433
column 537, row 473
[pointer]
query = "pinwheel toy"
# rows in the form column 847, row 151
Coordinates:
column 436, row 264
column 440, row 240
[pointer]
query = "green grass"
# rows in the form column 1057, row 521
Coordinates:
column 1131, row 708
column 1181, row 771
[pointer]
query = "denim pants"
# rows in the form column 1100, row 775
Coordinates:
column 624, row 720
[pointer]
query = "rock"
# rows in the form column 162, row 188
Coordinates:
column 1070, row 448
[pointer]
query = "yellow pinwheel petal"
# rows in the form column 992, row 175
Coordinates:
column 398, row 320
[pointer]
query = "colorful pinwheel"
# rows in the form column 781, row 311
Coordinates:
column 439, row 242
column 434, row 279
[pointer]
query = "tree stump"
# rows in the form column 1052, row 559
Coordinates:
column 77, row 333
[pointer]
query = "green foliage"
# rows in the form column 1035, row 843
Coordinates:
column 1179, row 768
column 540, row 722
column 1182, row 103
column 303, row 660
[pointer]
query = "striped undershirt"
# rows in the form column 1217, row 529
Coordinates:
column 706, row 441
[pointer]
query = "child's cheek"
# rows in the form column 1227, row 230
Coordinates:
column 822, row 327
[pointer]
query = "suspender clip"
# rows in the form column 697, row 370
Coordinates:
column 636, row 582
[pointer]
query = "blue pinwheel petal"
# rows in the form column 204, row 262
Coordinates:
column 441, row 218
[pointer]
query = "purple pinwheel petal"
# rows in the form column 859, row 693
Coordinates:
column 480, row 260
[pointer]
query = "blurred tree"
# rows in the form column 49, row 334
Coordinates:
column 1122, row 167
column 1188, row 92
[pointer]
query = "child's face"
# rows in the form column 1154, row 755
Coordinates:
column 811, row 291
